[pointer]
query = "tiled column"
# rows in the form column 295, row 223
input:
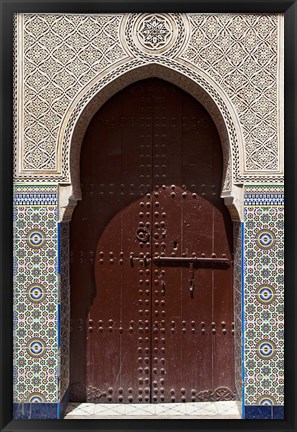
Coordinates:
column 37, row 338
column 264, row 302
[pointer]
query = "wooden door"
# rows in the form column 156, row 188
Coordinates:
column 151, row 254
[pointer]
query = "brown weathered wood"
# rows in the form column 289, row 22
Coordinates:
column 151, row 246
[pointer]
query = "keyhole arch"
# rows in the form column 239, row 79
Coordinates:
column 199, row 85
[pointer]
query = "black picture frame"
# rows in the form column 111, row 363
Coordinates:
column 8, row 8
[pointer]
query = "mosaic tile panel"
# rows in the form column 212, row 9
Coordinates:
column 35, row 319
column 264, row 295
column 65, row 308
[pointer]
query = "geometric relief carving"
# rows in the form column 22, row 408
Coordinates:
column 154, row 33
column 219, row 394
column 241, row 52
column 62, row 54
column 148, row 35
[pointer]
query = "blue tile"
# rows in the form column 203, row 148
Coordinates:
column 35, row 411
column 21, row 411
column 258, row 412
column 44, row 411
column 278, row 412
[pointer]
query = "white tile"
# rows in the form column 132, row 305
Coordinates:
column 109, row 409
column 207, row 410
column 153, row 417
column 86, row 409
column 202, row 408
column 226, row 408
column 175, row 409
column 140, row 409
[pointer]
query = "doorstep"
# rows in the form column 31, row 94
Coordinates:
column 189, row 410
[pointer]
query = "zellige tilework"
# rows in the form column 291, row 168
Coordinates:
column 36, row 357
column 264, row 296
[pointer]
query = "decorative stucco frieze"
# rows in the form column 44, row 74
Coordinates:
column 61, row 57
column 243, row 54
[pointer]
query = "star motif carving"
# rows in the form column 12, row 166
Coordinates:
column 154, row 32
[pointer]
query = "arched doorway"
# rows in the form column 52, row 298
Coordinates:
column 151, row 254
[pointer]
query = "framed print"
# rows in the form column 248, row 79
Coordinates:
column 148, row 254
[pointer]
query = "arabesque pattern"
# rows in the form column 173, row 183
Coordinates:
column 64, row 53
column 241, row 52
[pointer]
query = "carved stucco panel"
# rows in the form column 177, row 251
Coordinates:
column 60, row 55
column 243, row 53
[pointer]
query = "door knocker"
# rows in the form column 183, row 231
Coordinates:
column 143, row 234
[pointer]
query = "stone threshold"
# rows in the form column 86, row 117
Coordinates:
column 189, row 410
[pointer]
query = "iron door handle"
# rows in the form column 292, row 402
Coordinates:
column 191, row 261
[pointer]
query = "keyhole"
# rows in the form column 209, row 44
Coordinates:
column 175, row 245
